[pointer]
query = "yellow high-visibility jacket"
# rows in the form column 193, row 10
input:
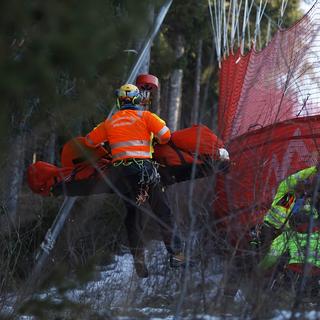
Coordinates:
column 284, row 200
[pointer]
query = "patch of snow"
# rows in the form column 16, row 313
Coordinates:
column 148, row 310
column 240, row 297
column 121, row 293
column 208, row 317
column 285, row 314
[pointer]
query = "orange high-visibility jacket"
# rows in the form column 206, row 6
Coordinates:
column 129, row 134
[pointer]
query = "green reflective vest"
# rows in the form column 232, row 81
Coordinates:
column 295, row 244
column 284, row 200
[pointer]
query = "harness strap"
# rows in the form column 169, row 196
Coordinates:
column 178, row 151
column 129, row 162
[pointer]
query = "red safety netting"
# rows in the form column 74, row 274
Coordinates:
column 232, row 74
column 279, row 83
column 269, row 117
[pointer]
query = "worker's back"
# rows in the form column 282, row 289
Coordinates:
column 129, row 133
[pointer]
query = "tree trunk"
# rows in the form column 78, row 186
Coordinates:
column 164, row 98
column 156, row 106
column 213, row 113
column 51, row 147
column 16, row 163
column 174, row 104
column 175, row 99
column 197, row 85
column 16, row 169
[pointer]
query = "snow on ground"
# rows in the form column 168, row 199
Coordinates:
column 119, row 293
column 119, row 288
column 283, row 315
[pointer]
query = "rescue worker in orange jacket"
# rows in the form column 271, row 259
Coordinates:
column 130, row 133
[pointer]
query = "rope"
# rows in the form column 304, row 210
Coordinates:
column 225, row 30
column 267, row 16
column 257, row 24
column 248, row 24
column 234, row 22
column 225, row 23
column 244, row 26
column 217, row 7
column 238, row 28
column 215, row 38
column 268, row 31
column 249, row 36
column 284, row 4
column 148, row 178
column 259, row 16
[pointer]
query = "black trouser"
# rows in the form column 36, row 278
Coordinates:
column 125, row 179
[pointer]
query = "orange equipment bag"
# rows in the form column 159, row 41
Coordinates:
column 78, row 161
column 42, row 176
column 76, row 152
column 189, row 145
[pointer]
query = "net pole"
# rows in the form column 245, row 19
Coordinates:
column 159, row 20
column 52, row 234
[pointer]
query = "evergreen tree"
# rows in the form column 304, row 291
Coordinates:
column 60, row 63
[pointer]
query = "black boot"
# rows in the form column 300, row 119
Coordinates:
column 141, row 269
column 140, row 266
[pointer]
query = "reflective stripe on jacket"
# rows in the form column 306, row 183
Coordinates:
column 284, row 199
column 295, row 244
column 129, row 134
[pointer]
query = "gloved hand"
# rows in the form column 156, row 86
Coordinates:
column 154, row 142
column 223, row 154
column 255, row 240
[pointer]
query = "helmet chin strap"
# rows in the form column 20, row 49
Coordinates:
column 118, row 103
column 132, row 107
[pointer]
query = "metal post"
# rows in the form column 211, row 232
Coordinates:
column 163, row 12
column 52, row 234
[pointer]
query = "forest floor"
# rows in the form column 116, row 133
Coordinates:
column 115, row 292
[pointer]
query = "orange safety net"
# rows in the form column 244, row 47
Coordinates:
column 268, row 117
